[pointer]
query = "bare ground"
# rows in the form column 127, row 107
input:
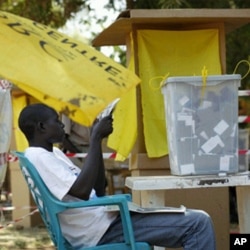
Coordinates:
column 14, row 237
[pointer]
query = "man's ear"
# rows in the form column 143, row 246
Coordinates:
column 40, row 126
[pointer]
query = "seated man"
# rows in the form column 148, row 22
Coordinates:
column 192, row 230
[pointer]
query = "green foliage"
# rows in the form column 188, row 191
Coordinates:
column 20, row 244
column 54, row 13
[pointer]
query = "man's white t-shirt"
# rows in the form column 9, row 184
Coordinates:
column 81, row 226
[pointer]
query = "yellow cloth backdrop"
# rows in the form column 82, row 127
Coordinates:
column 125, row 122
column 177, row 53
column 64, row 73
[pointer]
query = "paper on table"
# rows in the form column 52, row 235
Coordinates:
column 136, row 208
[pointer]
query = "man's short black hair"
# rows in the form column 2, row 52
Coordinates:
column 30, row 116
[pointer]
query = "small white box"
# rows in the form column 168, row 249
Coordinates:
column 202, row 124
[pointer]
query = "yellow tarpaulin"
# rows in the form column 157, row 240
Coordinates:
column 125, row 122
column 64, row 73
column 177, row 53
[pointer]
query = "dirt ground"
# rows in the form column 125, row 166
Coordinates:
column 15, row 238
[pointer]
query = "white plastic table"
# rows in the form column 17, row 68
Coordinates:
column 153, row 188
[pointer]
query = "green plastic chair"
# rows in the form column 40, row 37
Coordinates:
column 49, row 208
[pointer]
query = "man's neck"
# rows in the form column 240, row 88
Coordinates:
column 46, row 146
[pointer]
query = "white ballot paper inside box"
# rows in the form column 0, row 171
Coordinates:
column 136, row 208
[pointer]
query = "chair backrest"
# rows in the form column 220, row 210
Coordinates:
column 48, row 206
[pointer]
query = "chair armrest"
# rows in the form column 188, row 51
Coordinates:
column 121, row 200
column 117, row 199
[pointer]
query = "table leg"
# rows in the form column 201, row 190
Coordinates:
column 243, row 205
column 153, row 198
